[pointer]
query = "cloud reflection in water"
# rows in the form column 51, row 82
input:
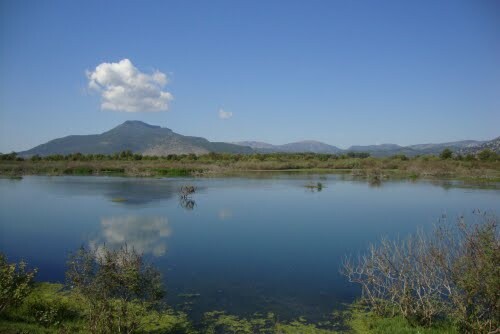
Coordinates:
column 147, row 235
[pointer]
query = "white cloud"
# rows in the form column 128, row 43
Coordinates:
column 124, row 88
column 225, row 114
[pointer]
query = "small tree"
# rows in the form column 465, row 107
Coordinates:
column 486, row 155
column 117, row 287
column 16, row 282
column 470, row 157
column 446, row 154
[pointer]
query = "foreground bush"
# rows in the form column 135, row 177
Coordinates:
column 452, row 273
column 51, row 308
column 119, row 292
column 15, row 283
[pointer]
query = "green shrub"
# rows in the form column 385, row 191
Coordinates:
column 118, row 289
column 401, row 157
column 49, row 313
column 446, row 154
column 470, row 157
column 487, row 155
column 49, row 306
column 16, row 282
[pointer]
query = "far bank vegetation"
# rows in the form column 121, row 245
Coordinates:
column 484, row 165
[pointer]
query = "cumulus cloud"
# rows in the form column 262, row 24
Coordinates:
column 225, row 114
column 124, row 88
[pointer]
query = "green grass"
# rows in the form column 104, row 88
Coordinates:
column 112, row 171
column 81, row 170
column 51, row 309
column 48, row 309
column 173, row 172
column 13, row 327
column 362, row 322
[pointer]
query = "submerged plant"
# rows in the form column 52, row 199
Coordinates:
column 185, row 199
column 187, row 191
column 315, row 186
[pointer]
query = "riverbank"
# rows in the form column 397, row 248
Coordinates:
column 52, row 309
column 370, row 168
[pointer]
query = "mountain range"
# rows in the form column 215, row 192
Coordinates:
column 309, row 146
column 136, row 136
column 146, row 139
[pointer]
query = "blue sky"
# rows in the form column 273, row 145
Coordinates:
column 342, row 72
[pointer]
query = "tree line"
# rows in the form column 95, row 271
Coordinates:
column 127, row 155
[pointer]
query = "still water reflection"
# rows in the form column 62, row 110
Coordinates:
column 244, row 244
column 147, row 235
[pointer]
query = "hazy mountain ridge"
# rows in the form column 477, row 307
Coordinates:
column 305, row 146
column 493, row 145
column 147, row 139
column 381, row 150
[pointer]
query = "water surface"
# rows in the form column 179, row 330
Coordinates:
column 245, row 244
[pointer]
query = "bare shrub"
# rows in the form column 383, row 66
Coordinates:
column 454, row 271
column 186, row 191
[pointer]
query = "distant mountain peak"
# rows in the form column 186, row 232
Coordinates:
column 133, row 123
column 136, row 136
column 309, row 141
column 138, row 127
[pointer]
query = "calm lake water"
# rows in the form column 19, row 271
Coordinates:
column 248, row 244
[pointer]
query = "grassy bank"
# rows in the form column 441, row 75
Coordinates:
column 221, row 164
column 49, row 308
column 52, row 309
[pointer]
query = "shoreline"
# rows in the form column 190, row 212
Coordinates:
column 372, row 169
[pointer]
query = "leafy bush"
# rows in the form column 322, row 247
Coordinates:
column 47, row 313
column 446, row 154
column 487, row 155
column 470, row 157
column 118, row 289
column 49, row 305
column 16, row 282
